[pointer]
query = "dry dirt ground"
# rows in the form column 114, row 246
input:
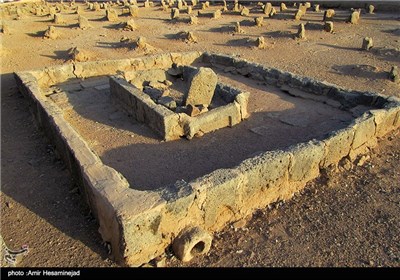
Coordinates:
column 350, row 218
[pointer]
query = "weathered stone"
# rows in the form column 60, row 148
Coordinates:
column 201, row 83
column 207, row 3
column 303, row 8
column 79, row 10
column 354, row 17
column 190, row 243
column 59, row 19
column 237, row 28
column 203, row 6
column 179, row 4
column 134, row 10
column 51, row 33
column 193, row 20
column 394, row 74
column 84, row 23
column 174, row 13
column 328, row 26
column 267, row 8
column 283, row 7
column 79, row 55
column 190, row 37
column 367, row 44
column 192, row 110
column 5, row 29
column 146, row 4
column 307, row 5
column 168, row 102
column 371, row 9
column 301, row 33
column 259, row 21
column 260, row 42
column 130, row 25
column 236, row 7
column 328, row 14
column 189, row 10
column 96, row 7
column 52, row 12
column 217, row 14
column 298, row 15
column 112, row 15
column 272, row 13
column 245, row 12
column 316, row 8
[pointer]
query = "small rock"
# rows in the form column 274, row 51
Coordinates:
column 79, row 55
column 362, row 160
column 191, row 38
column 394, row 74
column 51, row 33
column 168, row 102
column 367, row 43
column 260, row 42
column 240, row 224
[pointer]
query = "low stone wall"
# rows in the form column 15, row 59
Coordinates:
column 170, row 125
column 140, row 225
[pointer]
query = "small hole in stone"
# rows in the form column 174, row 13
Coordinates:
column 198, row 248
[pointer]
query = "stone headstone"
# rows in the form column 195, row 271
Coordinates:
column 301, row 33
column 130, row 25
column 355, row 17
column 84, row 23
column 259, row 21
column 328, row 14
column 394, row 75
column 273, row 12
column 193, row 20
column 371, row 9
column 260, row 42
column 59, row 19
column 111, row 15
column 217, row 14
column 51, row 33
column 238, row 29
column 298, row 15
column 316, row 8
column 328, row 27
column 201, row 83
column 245, row 12
column 174, row 13
column 267, row 8
column 191, row 38
column 367, row 44
column 283, row 7
column 134, row 10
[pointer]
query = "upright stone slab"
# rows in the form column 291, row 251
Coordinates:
column 201, row 83
column 267, row 8
column 134, row 10
column 367, row 44
column 355, row 17
column 112, row 15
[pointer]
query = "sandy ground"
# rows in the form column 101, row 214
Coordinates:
column 345, row 219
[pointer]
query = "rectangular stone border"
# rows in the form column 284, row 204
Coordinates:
column 139, row 225
column 170, row 125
